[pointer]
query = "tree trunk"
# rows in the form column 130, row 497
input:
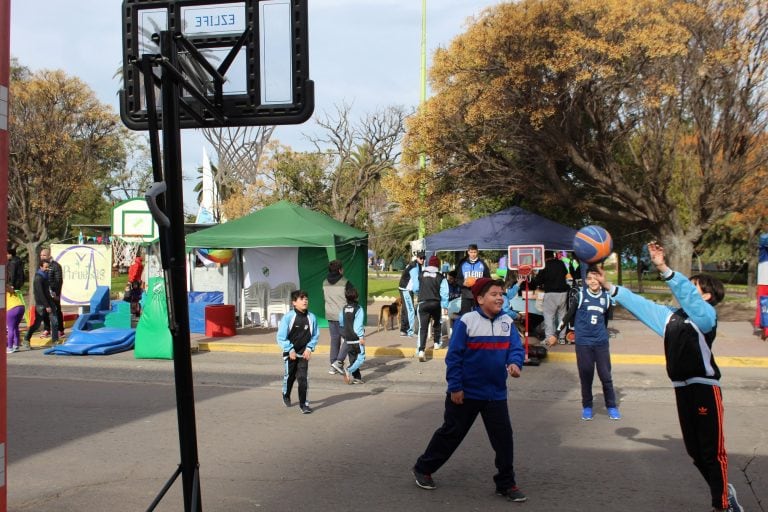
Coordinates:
column 678, row 248
column 640, row 268
column 32, row 264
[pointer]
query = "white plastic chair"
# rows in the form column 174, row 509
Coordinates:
column 254, row 300
column 279, row 302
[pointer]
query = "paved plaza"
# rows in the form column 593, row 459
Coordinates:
column 100, row 433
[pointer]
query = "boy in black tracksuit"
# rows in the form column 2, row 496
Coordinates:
column 689, row 333
column 297, row 335
column 433, row 300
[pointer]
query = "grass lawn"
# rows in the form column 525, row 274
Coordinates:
column 384, row 285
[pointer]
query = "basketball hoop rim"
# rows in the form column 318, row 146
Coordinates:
column 524, row 270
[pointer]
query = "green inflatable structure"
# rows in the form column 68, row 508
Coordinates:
column 153, row 337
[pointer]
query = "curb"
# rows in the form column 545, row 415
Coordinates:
column 554, row 357
column 407, row 353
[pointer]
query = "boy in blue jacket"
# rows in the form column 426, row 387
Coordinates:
column 483, row 350
column 297, row 335
column 689, row 332
column 353, row 330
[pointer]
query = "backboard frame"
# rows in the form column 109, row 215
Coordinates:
column 134, row 213
column 249, row 107
column 532, row 255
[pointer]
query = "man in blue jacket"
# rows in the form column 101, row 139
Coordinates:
column 483, row 350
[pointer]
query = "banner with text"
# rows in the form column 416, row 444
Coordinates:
column 84, row 267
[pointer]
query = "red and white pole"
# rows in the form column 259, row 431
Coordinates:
column 5, row 65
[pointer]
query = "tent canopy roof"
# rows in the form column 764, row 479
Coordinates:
column 514, row 226
column 282, row 224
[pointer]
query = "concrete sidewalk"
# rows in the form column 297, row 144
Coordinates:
column 631, row 343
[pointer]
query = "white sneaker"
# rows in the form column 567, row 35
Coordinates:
column 438, row 346
column 733, row 502
column 422, row 356
column 338, row 366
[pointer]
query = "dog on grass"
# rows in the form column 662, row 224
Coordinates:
column 390, row 315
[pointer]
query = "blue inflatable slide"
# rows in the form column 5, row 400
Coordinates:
column 105, row 330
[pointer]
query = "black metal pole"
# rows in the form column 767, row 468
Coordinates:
column 176, row 279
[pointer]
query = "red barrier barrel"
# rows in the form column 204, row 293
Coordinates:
column 219, row 320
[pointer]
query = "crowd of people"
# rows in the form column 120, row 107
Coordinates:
column 485, row 348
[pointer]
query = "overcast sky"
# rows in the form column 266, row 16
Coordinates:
column 363, row 52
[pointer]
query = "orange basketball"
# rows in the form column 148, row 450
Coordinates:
column 468, row 282
column 592, row 244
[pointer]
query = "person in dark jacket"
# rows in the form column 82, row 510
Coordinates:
column 433, row 302
column 470, row 269
column 56, row 283
column 15, row 275
column 484, row 348
column 689, row 333
column 552, row 280
column 44, row 306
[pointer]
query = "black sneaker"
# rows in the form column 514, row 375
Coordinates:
column 512, row 494
column 305, row 409
column 424, row 480
column 286, row 400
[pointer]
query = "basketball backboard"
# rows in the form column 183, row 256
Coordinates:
column 530, row 255
column 259, row 47
column 132, row 222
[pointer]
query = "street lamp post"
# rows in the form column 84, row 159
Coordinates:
column 423, row 99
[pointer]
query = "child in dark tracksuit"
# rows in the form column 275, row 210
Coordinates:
column 589, row 310
column 689, row 332
column 353, row 330
column 297, row 335
column 484, row 349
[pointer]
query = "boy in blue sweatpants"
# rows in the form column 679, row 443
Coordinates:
column 589, row 309
column 297, row 335
column 353, row 332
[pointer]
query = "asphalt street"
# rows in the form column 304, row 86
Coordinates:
column 100, row 434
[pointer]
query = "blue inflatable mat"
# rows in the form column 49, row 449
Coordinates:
column 103, row 341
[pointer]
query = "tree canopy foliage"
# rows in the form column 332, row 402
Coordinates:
column 647, row 112
column 64, row 146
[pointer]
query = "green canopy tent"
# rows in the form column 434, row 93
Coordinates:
column 317, row 238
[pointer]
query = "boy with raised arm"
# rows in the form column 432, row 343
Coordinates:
column 689, row 332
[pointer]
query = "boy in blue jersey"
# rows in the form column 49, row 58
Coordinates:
column 484, row 349
column 297, row 335
column 689, row 332
column 470, row 269
column 589, row 308
column 353, row 331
